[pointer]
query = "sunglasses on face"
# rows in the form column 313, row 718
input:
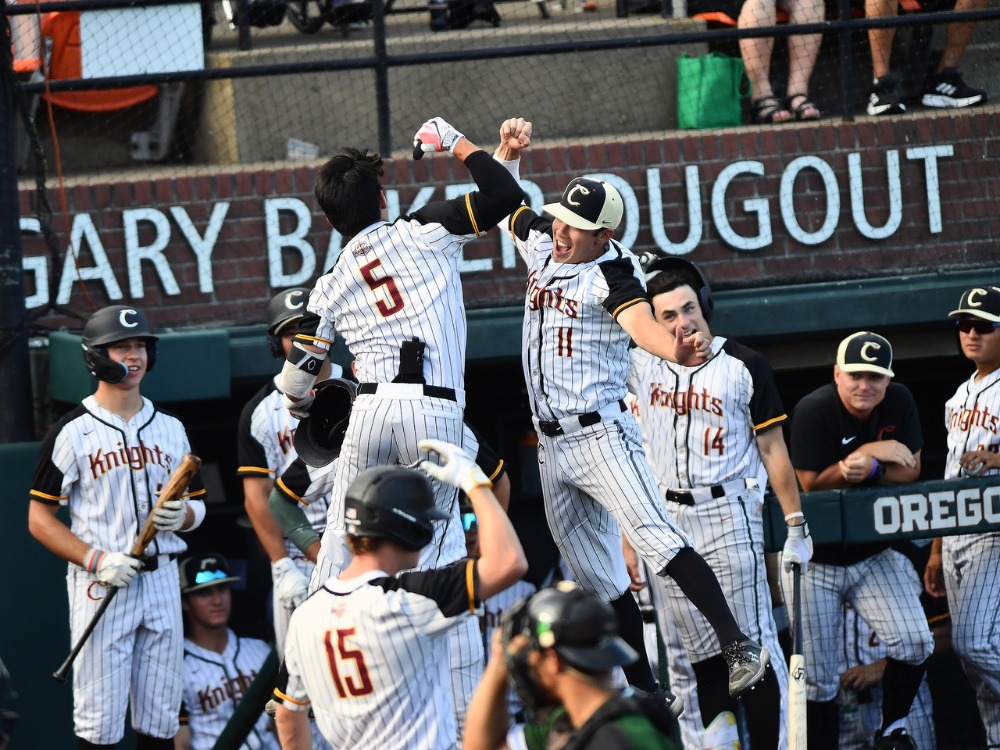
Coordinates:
column 207, row 576
column 982, row 327
column 469, row 521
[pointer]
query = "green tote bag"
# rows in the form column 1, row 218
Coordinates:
column 710, row 91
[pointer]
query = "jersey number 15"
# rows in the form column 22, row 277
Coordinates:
column 338, row 655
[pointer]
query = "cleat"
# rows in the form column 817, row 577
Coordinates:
column 747, row 665
column 897, row 739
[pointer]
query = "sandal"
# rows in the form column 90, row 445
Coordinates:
column 768, row 109
column 806, row 110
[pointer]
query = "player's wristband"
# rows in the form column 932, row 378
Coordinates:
column 92, row 560
column 796, row 514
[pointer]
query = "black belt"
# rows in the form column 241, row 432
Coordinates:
column 434, row 391
column 686, row 498
column 149, row 564
column 552, row 428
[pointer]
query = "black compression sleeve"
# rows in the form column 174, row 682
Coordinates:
column 498, row 195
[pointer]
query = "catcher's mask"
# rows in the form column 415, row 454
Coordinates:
column 320, row 436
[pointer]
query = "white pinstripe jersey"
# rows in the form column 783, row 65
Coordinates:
column 214, row 684
column 699, row 424
column 265, row 448
column 394, row 281
column 575, row 355
column 109, row 471
column 370, row 655
column 972, row 418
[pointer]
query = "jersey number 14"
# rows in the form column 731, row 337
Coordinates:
column 714, row 442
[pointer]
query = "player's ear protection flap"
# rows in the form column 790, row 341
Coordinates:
column 102, row 367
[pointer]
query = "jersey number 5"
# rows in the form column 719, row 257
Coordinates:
column 338, row 656
column 367, row 273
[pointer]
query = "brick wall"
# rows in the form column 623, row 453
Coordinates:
column 791, row 204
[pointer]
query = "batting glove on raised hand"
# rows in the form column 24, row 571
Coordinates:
column 798, row 547
column 435, row 135
column 290, row 583
column 113, row 568
column 459, row 469
column 299, row 409
column 170, row 516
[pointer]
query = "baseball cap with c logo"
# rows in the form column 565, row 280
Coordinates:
column 865, row 351
column 587, row 203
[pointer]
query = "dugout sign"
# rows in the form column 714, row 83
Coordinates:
column 922, row 510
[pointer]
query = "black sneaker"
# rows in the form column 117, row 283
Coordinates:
column 947, row 89
column 886, row 96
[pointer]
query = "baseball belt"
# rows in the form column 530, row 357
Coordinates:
column 566, row 425
column 697, row 495
column 149, row 564
column 407, row 390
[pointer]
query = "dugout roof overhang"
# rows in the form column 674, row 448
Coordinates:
column 794, row 326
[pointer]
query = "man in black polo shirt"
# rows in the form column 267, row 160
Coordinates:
column 861, row 430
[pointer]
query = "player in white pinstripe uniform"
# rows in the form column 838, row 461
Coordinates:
column 369, row 649
column 585, row 299
column 863, row 664
column 712, row 431
column 106, row 460
column 861, row 430
column 395, row 297
column 219, row 666
column 264, row 449
column 302, row 485
column 965, row 566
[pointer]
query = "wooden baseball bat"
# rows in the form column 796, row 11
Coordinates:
column 797, row 671
column 173, row 489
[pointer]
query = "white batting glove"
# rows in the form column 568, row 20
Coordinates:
column 299, row 409
column 113, row 568
column 436, row 135
column 290, row 583
column 798, row 547
column 459, row 469
column 170, row 516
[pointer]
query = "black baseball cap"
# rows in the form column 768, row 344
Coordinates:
column 581, row 628
column 588, row 204
column 201, row 571
column 865, row 351
column 979, row 302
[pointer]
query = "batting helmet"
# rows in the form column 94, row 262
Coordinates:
column 653, row 264
column 320, row 436
column 394, row 503
column 108, row 325
column 581, row 628
column 284, row 308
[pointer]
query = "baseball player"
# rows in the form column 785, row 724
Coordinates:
column 106, row 460
column 302, row 485
column 712, row 431
column 395, row 296
column 861, row 430
column 265, row 448
column 965, row 566
column 863, row 664
column 369, row 650
column 585, row 301
column 219, row 666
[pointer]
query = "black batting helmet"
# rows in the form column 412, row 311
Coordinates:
column 581, row 628
column 108, row 325
column 394, row 503
column 653, row 264
column 320, row 436
column 284, row 308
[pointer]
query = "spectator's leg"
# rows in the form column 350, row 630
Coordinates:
column 880, row 40
column 756, row 55
column 959, row 35
column 803, row 49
